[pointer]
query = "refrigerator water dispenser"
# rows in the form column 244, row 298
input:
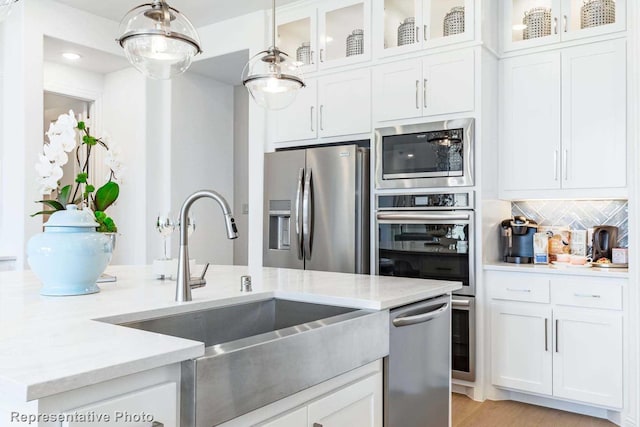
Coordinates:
column 279, row 223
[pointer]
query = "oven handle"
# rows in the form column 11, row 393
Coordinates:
column 423, row 216
column 460, row 303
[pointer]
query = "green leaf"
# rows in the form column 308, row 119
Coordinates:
column 82, row 178
column 81, row 126
column 90, row 188
column 106, row 195
column 106, row 223
column 100, row 216
column 63, row 195
column 89, row 140
column 53, row 204
column 43, row 213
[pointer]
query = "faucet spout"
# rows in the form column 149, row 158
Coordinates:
column 185, row 282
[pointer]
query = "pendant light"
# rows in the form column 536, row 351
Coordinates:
column 5, row 8
column 271, row 77
column 158, row 40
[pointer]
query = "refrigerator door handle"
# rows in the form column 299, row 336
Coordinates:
column 307, row 214
column 298, row 205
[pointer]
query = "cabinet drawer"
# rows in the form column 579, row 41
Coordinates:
column 584, row 292
column 519, row 287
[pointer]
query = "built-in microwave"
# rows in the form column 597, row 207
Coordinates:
column 428, row 155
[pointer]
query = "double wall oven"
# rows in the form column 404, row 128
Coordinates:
column 428, row 232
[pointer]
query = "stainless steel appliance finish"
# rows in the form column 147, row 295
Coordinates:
column 428, row 236
column 251, row 349
column 316, row 209
column 429, row 155
column 416, row 373
column 463, row 338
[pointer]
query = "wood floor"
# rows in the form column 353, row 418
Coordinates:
column 469, row 413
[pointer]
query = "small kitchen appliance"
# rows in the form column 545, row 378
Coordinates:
column 605, row 238
column 517, row 239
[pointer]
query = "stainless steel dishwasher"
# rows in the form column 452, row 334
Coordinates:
column 417, row 372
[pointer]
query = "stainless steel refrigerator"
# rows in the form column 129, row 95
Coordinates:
column 316, row 209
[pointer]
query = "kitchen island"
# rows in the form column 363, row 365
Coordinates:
column 54, row 345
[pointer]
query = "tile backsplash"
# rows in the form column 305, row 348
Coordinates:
column 578, row 214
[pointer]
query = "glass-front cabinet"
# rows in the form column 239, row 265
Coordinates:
column 529, row 23
column 344, row 32
column 326, row 34
column 296, row 36
column 410, row 25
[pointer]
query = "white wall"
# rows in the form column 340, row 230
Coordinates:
column 241, row 173
column 202, row 158
column 124, row 118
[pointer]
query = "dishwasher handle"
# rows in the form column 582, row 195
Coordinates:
column 420, row 318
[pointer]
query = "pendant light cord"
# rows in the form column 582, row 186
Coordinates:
column 273, row 21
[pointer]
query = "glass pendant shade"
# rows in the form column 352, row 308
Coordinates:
column 158, row 40
column 273, row 79
column 5, row 8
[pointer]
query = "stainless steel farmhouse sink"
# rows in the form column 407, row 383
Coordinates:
column 262, row 351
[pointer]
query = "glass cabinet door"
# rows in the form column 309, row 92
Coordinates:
column 591, row 17
column 447, row 21
column 344, row 32
column 296, row 33
column 531, row 22
column 402, row 25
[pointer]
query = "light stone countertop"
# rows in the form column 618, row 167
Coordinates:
column 50, row 345
column 561, row 270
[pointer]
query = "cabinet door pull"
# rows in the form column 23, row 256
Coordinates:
column 586, row 295
column 317, row 425
column 565, row 22
column 417, row 94
column 557, row 336
column 312, row 108
column 565, row 164
column 313, row 57
column 321, row 117
column 321, row 55
column 417, row 34
column 519, row 290
column 157, row 424
column 555, row 25
column 424, row 35
column 546, row 334
column 424, row 92
column 555, row 165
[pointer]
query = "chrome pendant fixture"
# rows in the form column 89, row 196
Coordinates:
column 271, row 76
column 158, row 40
column 5, row 8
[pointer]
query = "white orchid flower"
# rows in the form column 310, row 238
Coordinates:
column 44, row 167
column 55, row 152
column 63, row 131
column 49, row 183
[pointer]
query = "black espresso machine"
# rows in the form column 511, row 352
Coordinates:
column 517, row 239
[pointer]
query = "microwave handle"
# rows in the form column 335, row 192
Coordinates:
column 402, row 216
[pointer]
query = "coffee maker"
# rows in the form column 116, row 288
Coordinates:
column 517, row 239
column 605, row 237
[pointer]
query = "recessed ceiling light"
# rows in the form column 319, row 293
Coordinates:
column 71, row 56
column 329, row 39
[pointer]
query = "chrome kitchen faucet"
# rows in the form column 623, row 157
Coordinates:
column 185, row 282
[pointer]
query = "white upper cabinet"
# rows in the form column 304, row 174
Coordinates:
column 594, row 134
column 438, row 84
column 530, row 23
column 330, row 106
column 329, row 33
column 564, row 123
column 344, row 32
column 530, row 112
column 409, row 25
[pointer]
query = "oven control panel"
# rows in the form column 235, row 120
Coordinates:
column 430, row 201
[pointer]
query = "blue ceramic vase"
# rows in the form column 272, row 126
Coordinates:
column 70, row 255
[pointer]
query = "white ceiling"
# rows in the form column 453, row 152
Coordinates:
column 200, row 12
column 91, row 59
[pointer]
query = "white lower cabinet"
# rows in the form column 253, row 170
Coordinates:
column 150, row 407
column 569, row 348
column 351, row 399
